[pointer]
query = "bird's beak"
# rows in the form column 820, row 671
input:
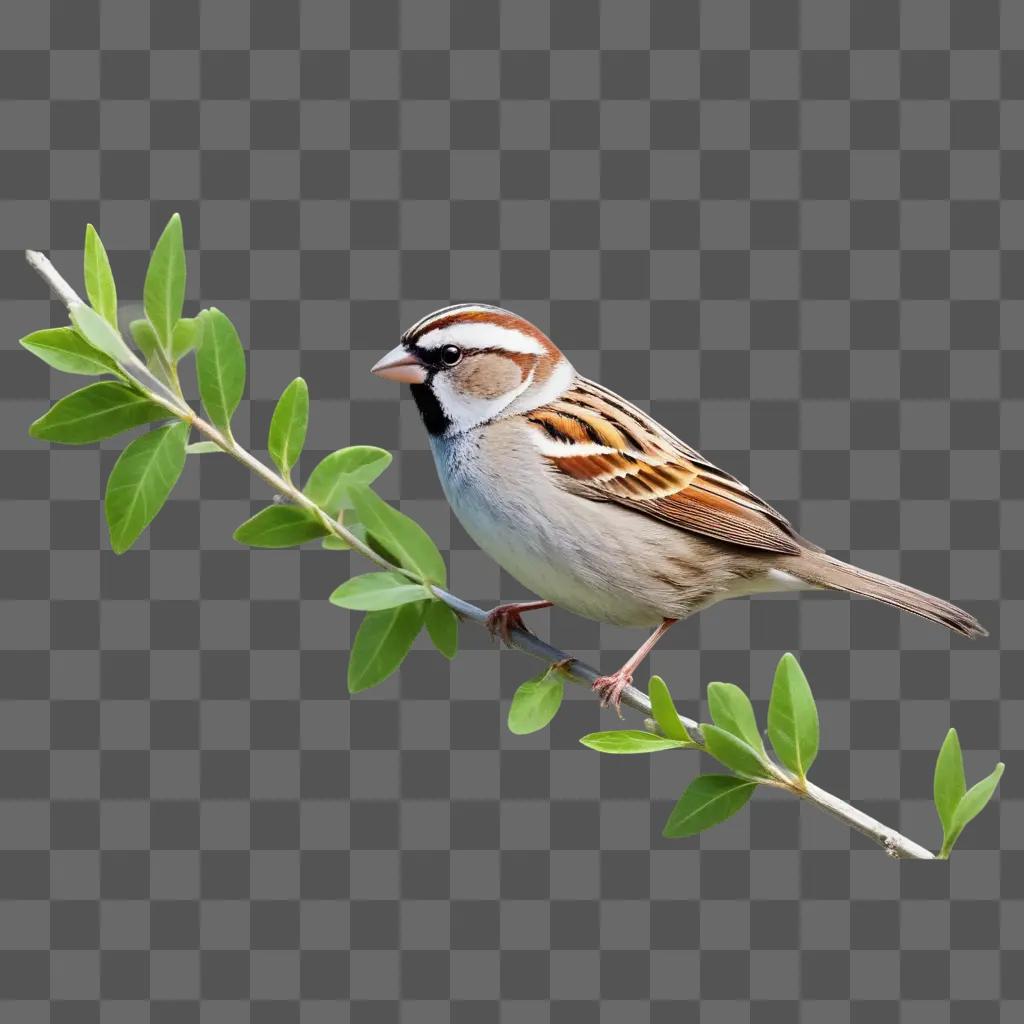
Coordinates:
column 402, row 365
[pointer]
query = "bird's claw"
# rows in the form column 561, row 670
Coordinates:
column 609, row 689
column 502, row 620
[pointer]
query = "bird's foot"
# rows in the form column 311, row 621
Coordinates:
column 502, row 620
column 609, row 689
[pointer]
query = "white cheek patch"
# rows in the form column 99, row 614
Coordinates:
column 481, row 336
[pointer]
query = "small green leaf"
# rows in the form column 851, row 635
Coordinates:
column 707, row 800
column 734, row 753
column 220, row 367
column 793, row 717
column 664, row 710
column 535, row 702
column 288, row 426
column 163, row 294
column 96, row 411
column 334, row 474
column 203, row 448
column 99, row 281
column 405, row 537
column 145, row 338
column 279, row 526
column 732, row 711
column 376, row 590
column 443, row 626
column 185, row 337
column 98, row 333
column 949, row 784
column 972, row 803
column 381, row 644
column 142, row 478
column 630, row 741
column 65, row 349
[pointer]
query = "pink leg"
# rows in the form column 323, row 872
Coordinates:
column 609, row 688
column 506, row 617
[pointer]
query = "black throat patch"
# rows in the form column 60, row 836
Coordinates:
column 433, row 415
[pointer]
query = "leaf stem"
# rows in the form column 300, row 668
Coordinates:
column 523, row 640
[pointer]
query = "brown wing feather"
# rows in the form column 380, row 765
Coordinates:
column 615, row 452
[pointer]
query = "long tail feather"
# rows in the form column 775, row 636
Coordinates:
column 823, row 570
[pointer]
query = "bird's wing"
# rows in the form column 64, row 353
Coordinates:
column 605, row 449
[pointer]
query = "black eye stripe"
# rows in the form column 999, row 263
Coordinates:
column 435, row 357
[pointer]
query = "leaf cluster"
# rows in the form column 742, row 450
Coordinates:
column 398, row 603
column 148, row 468
column 735, row 741
column 955, row 804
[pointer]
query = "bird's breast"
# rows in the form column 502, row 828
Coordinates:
column 556, row 544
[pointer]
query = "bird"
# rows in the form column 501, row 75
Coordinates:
column 589, row 502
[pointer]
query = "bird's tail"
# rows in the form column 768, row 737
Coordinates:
column 823, row 570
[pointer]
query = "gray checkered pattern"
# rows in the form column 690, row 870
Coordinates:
column 795, row 231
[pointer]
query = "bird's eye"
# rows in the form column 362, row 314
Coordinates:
column 451, row 354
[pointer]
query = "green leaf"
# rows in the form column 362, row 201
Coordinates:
column 65, row 349
column 163, row 294
column 381, row 644
column 203, row 448
column 220, row 367
column 793, row 717
column 98, row 333
column 734, row 753
column 279, row 526
column 535, row 702
column 376, row 590
column 334, row 474
column 408, row 540
column 185, row 337
column 145, row 338
column 141, row 480
column 630, row 741
column 443, row 626
column 707, row 800
column 99, row 281
column 732, row 711
column 949, row 783
column 971, row 804
column 96, row 411
column 664, row 710
column 288, row 426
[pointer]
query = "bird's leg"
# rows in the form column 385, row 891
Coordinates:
column 506, row 617
column 609, row 688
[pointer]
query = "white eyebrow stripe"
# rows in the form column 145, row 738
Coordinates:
column 480, row 335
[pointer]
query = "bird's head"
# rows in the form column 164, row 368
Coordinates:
column 470, row 364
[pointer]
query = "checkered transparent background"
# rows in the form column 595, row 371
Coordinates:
column 793, row 231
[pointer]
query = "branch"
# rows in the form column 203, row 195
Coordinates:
column 523, row 640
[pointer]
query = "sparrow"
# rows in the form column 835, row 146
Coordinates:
column 592, row 504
